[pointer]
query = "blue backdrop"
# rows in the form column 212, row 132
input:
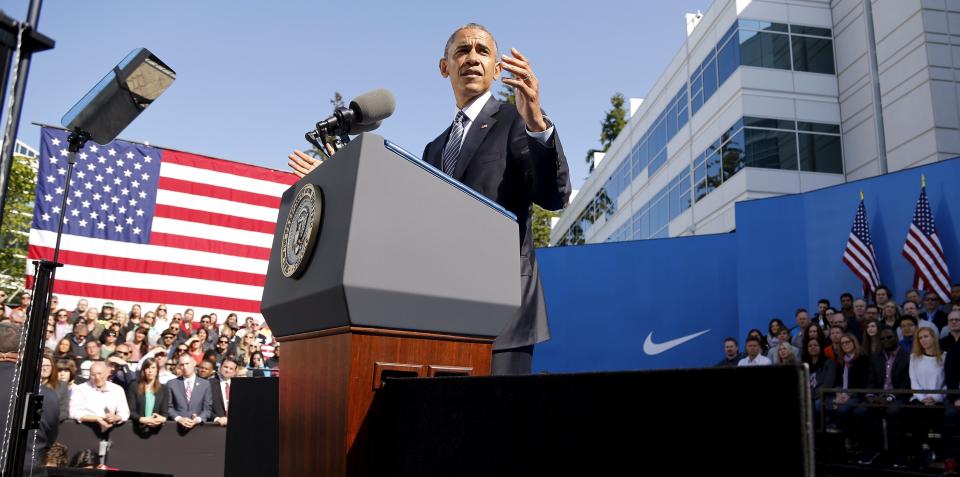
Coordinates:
column 604, row 300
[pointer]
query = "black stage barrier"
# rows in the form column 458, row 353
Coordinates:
column 731, row 421
column 170, row 450
column 253, row 428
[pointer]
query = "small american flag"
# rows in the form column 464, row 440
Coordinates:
column 155, row 226
column 859, row 254
column 923, row 250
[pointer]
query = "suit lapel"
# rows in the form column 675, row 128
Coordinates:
column 435, row 150
column 478, row 131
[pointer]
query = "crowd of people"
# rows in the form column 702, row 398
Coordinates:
column 904, row 356
column 109, row 366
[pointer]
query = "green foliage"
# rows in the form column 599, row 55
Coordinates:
column 17, row 217
column 613, row 122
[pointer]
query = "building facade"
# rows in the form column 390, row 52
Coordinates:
column 767, row 98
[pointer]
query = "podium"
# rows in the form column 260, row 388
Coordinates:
column 410, row 274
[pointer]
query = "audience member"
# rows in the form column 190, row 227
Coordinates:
column 148, row 397
column 773, row 329
column 754, row 356
column 731, row 354
column 190, row 401
column 889, row 370
column 823, row 370
column 221, row 390
column 906, row 332
column 99, row 401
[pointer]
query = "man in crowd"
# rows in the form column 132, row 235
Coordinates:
column 106, row 312
column 167, row 339
column 754, row 356
column 18, row 314
column 98, row 400
column 221, row 390
column 91, row 351
column 822, row 305
column 953, row 335
column 872, row 313
column 80, row 312
column 223, row 348
column 205, row 369
column 77, row 340
column 846, row 305
column 889, row 370
column 954, row 299
column 803, row 321
column 190, row 397
column 932, row 311
column 906, row 332
column 208, row 322
column 881, row 296
column 912, row 295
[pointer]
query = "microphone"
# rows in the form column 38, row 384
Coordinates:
column 369, row 108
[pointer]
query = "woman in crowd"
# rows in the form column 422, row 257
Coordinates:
column 138, row 346
column 135, row 312
column 62, row 323
column 853, row 368
column 926, row 374
column 108, row 343
column 814, row 331
column 63, row 350
column 86, row 459
column 783, row 336
column 195, row 348
column 871, row 344
column 67, row 372
column 248, row 345
column 51, row 380
column 890, row 315
column 822, row 370
column 773, row 338
column 148, row 398
column 257, row 366
column 203, row 337
column 786, row 354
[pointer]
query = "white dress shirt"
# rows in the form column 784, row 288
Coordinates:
column 473, row 109
column 86, row 400
column 760, row 360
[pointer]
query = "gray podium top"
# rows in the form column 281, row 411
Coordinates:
column 401, row 246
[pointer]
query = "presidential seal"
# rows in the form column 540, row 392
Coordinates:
column 301, row 230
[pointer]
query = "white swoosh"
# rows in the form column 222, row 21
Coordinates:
column 652, row 348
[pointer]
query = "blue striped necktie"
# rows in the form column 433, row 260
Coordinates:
column 452, row 150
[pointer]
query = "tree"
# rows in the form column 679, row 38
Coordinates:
column 541, row 218
column 610, row 127
column 17, row 218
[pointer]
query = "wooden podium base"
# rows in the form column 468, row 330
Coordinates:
column 330, row 378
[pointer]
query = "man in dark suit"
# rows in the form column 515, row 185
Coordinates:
column 221, row 389
column 189, row 398
column 889, row 370
column 510, row 154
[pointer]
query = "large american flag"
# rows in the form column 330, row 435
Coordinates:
column 860, row 255
column 156, row 226
column 923, row 250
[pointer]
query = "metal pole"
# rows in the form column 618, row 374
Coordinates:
column 13, row 121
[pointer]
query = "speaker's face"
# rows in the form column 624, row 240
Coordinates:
column 470, row 64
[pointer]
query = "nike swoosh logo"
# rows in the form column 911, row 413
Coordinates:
column 653, row 349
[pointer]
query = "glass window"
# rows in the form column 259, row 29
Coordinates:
column 659, row 160
column 820, row 153
column 763, row 25
column 770, row 149
column 713, row 171
column 808, row 30
column 814, row 55
column 696, row 93
column 728, row 60
column 818, row 127
column 768, row 50
column 709, row 79
column 682, row 116
column 701, row 189
column 732, row 155
column 684, row 200
column 644, row 231
column 674, row 202
column 671, row 121
column 769, row 123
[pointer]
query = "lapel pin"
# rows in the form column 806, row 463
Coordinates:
column 483, row 125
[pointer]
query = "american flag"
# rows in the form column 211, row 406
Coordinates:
column 859, row 254
column 923, row 250
column 155, row 226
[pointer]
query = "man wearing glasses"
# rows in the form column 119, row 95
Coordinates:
column 931, row 310
column 80, row 312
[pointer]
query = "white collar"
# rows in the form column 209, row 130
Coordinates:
column 473, row 109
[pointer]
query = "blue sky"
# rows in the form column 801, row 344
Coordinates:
column 252, row 77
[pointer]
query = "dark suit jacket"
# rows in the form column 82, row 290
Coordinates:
column 501, row 161
column 138, row 404
column 201, row 399
column 219, row 408
column 900, row 373
column 50, row 414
